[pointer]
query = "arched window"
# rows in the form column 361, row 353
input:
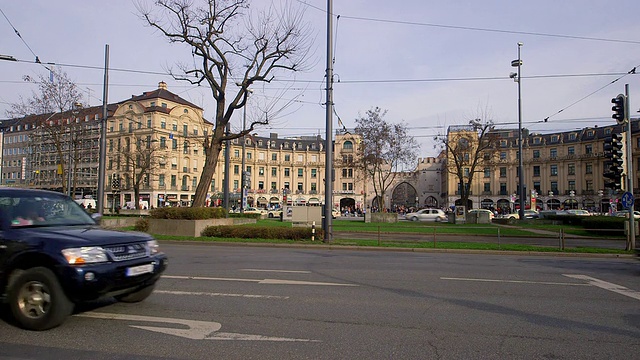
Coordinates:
column 348, row 145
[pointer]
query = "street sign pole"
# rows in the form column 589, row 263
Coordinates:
column 630, row 174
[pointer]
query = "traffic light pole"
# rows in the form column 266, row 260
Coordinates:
column 628, row 148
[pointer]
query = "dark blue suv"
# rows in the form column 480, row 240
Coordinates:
column 53, row 255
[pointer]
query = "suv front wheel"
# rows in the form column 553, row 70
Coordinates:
column 37, row 300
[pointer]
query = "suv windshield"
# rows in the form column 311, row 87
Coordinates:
column 26, row 209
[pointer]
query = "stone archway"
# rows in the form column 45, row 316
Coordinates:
column 404, row 195
column 431, row 202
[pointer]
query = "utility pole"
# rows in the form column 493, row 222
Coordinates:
column 630, row 173
column 328, row 184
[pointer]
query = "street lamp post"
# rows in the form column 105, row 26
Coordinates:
column 518, row 63
column 243, row 174
column 74, row 113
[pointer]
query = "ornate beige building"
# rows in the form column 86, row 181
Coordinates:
column 561, row 170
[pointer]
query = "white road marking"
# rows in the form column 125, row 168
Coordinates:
column 219, row 294
column 514, row 281
column 259, row 281
column 196, row 330
column 278, row 271
column 607, row 285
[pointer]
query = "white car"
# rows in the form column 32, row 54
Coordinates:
column 274, row 213
column 252, row 210
column 335, row 213
column 436, row 215
column 482, row 211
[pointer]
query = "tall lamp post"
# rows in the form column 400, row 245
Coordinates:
column 74, row 113
column 517, row 77
column 243, row 176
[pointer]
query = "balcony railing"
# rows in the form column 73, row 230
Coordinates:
column 184, row 188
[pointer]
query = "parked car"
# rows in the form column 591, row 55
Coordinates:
column 531, row 214
column 578, row 212
column 436, row 215
column 482, row 211
column 274, row 213
column 335, row 213
column 54, row 256
column 512, row 216
column 252, row 210
column 625, row 213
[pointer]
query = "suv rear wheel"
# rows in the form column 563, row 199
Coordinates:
column 37, row 300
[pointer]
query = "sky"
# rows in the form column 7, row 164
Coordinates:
column 430, row 64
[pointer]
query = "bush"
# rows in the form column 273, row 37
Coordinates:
column 567, row 219
column 188, row 213
column 244, row 232
column 243, row 215
column 604, row 225
column 142, row 225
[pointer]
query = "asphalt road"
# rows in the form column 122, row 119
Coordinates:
column 241, row 302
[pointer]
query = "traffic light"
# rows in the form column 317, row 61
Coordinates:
column 613, row 166
column 115, row 181
column 619, row 108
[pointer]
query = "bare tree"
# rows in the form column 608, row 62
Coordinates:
column 235, row 50
column 139, row 157
column 387, row 149
column 57, row 95
column 470, row 148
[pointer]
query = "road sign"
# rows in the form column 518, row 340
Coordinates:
column 627, row 200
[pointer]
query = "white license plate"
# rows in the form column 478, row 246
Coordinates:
column 139, row 270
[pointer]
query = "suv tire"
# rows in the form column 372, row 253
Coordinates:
column 37, row 300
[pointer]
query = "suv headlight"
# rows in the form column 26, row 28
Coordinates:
column 85, row 255
column 153, row 246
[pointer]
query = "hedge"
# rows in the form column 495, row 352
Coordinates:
column 242, row 232
column 188, row 213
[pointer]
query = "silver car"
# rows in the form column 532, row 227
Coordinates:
column 436, row 215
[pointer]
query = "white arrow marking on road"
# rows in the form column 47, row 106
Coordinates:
column 607, row 286
column 263, row 281
column 196, row 330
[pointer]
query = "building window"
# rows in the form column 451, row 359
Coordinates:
column 314, row 173
column 299, row 186
column 174, row 144
column 466, row 172
column 553, row 153
column 274, row 171
column 571, row 150
column 273, row 185
column 503, row 172
column 487, row 187
column 588, row 149
column 503, row 155
column 536, row 154
column 236, row 169
column 300, row 172
column 287, row 172
column 261, row 171
column 314, row 187
column 163, row 123
column 161, row 180
column 348, row 145
column 503, row 188
column 236, row 184
column 554, row 170
column 588, row 185
column 260, row 185
column 236, row 153
column 572, row 185
column 174, row 180
column 536, row 171
column 571, row 169
column 287, row 158
column 554, row 187
column 274, row 157
column 487, row 172
column 536, row 186
column 588, row 169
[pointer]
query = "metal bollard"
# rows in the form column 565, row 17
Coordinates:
column 313, row 231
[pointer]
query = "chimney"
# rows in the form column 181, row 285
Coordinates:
column 162, row 85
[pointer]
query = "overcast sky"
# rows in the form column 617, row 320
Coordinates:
column 431, row 64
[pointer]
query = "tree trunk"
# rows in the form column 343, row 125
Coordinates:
column 208, row 170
